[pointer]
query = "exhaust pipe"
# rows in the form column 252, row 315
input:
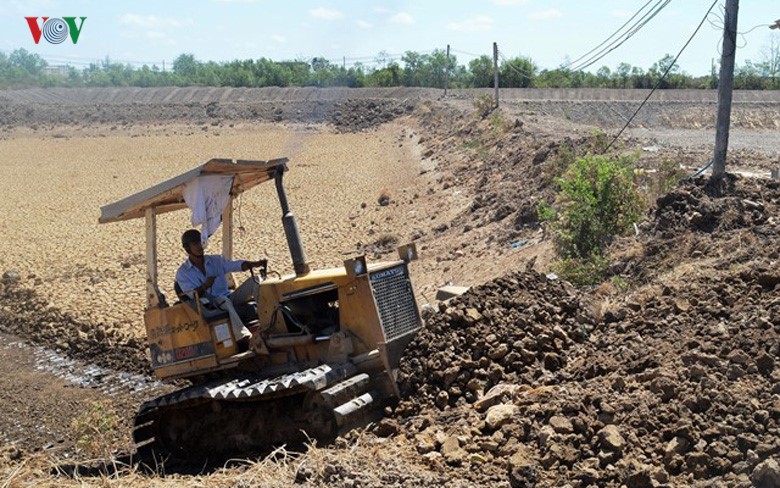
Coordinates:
column 290, row 227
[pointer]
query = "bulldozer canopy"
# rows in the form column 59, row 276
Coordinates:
column 169, row 195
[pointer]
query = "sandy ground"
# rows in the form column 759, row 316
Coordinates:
column 53, row 189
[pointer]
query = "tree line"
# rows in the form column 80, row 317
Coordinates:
column 21, row 68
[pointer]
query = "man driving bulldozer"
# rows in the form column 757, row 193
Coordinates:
column 205, row 274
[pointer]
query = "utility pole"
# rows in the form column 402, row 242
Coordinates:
column 725, row 87
column 447, row 72
column 495, row 71
column 776, row 171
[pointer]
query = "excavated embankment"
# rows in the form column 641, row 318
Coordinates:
column 676, row 384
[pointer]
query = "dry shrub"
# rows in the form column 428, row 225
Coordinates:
column 386, row 241
column 96, row 430
column 483, row 106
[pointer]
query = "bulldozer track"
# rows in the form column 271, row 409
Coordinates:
column 254, row 413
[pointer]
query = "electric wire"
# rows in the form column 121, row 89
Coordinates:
column 608, row 38
column 459, row 51
column 608, row 49
column 636, row 27
column 579, row 65
column 509, row 65
column 756, row 27
column 661, row 79
column 716, row 24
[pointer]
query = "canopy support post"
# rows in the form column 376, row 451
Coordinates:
column 152, row 292
column 227, row 230
column 227, row 238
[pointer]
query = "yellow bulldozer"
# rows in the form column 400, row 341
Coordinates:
column 325, row 344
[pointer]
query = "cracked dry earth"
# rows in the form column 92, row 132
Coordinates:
column 664, row 375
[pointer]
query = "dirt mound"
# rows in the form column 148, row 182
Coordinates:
column 705, row 206
column 503, row 167
column 25, row 314
column 515, row 329
column 675, row 384
column 356, row 114
column 726, row 224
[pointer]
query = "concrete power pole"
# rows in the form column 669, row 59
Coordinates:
column 447, row 72
column 495, row 70
column 725, row 87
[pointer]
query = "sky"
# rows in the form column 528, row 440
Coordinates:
column 550, row 32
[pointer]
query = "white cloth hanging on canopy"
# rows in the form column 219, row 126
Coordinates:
column 206, row 196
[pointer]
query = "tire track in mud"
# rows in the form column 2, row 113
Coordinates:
column 86, row 375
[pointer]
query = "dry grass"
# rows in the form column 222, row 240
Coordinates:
column 276, row 469
column 366, row 460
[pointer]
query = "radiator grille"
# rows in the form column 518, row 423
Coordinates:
column 395, row 299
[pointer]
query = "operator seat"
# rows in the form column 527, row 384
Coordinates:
column 208, row 311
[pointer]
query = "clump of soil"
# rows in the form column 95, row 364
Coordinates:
column 354, row 115
column 515, row 329
column 676, row 384
column 722, row 224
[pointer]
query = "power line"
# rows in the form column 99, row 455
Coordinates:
column 373, row 59
column 636, row 27
column 663, row 76
column 468, row 53
column 717, row 26
column 608, row 38
column 509, row 65
column 755, row 27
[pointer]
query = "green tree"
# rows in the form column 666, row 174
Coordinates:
column 273, row 74
column 234, row 73
column 622, row 74
column 414, row 65
column 660, row 67
column 556, row 78
column 322, row 74
column 26, row 64
column 383, row 59
column 604, row 75
column 29, row 62
column 392, row 75
column 748, row 77
column 517, row 73
column 481, row 71
column 438, row 67
column 299, row 72
column 185, row 65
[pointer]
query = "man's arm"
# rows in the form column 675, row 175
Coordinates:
column 240, row 265
column 263, row 263
column 229, row 266
column 189, row 283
